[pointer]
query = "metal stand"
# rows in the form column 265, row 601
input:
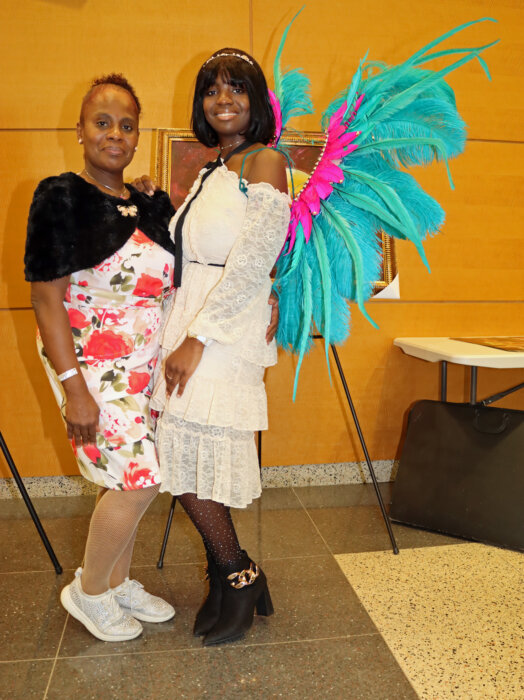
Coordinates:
column 387, row 521
column 160, row 562
column 473, row 387
column 365, row 449
column 29, row 504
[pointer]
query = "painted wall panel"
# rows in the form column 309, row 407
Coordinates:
column 328, row 40
column 480, row 252
column 158, row 46
column 29, row 417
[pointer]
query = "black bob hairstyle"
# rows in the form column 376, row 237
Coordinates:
column 116, row 79
column 239, row 73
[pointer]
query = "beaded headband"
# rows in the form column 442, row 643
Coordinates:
column 237, row 55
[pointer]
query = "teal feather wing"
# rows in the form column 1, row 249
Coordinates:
column 389, row 118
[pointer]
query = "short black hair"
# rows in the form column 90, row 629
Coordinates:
column 111, row 79
column 238, row 72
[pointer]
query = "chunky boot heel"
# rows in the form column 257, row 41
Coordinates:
column 242, row 592
column 209, row 611
column 264, row 605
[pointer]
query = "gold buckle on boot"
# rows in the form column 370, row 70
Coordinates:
column 244, row 578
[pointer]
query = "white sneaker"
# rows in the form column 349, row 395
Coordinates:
column 100, row 614
column 136, row 601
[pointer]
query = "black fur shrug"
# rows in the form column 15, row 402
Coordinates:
column 74, row 226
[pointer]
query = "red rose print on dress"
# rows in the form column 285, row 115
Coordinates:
column 141, row 238
column 137, row 477
column 148, row 286
column 108, row 345
column 137, row 382
column 112, row 263
column 77, row 319
column 92, row 452
column 114, row 438
column 110, row 317
column 115, row 313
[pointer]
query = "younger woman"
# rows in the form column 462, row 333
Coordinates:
column 211, row 394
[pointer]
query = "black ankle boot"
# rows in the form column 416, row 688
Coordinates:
column 209, row 611
column 243, row 590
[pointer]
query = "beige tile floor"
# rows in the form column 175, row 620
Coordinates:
column 453, row 616
column 323, row 640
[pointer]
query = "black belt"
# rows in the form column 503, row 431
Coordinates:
column 212, row 264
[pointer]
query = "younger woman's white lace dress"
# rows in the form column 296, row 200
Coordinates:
column 205, row 438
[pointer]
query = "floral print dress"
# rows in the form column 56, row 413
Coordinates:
column 115, row 311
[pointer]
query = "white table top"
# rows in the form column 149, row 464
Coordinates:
column 437, row 349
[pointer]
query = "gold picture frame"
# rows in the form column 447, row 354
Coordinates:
column 179, row 158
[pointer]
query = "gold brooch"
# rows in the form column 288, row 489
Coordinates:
column 244, row 578
column 130, row 210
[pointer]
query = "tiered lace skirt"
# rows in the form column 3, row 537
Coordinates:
column 205, row 438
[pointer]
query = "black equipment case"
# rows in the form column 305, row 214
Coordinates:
column 461, row 472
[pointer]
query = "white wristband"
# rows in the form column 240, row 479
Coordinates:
column 206, row 342
column 68, row 373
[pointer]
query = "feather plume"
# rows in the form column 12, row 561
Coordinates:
column 292, row 87
column 389, row 118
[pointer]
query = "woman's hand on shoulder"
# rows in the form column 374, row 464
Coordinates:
column 269, row 166
column 145, row 184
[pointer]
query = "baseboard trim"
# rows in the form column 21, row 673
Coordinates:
column 272, row 477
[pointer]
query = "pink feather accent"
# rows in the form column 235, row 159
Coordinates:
column 338, row 144
column 275, row 104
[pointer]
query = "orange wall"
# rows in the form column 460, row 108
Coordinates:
column 50, row 51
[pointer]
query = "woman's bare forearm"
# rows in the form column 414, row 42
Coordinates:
column 82, row 411
column 47, row 299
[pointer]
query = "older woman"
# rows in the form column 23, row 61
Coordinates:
column 100, row 263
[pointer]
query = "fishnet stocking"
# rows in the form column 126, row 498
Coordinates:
column 111, row 535
column 121, row 568
column 213, row 522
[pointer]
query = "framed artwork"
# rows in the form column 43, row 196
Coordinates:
column 179, row 157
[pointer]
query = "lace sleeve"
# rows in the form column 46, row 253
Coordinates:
column 227, row 309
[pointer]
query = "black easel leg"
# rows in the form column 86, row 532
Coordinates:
column 160, row 562
column 366, row 454
column 444, row 380
column 29, row 504
column 473, row 386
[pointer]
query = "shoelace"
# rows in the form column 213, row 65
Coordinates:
column 134, row 591
column 114, row 610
